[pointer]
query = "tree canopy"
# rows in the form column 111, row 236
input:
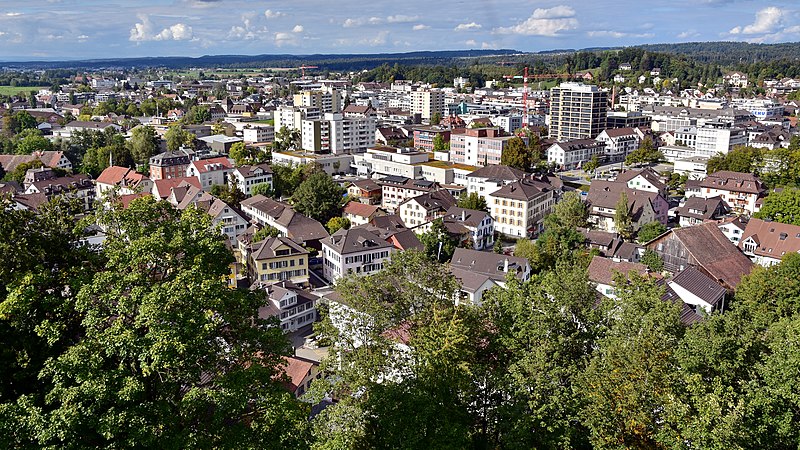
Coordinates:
column 319, row 197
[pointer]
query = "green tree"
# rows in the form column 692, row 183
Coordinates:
column 31, row 140
column 228, row 193
column 265, row 232
column 143, row 143
column 569, row 212
column 319, row 197
column 336, row 224
column 783, row 206
column 32, row 99
column 439, row 144
column 177, row 137
column 516, row 154
column 592, row 164
column 652, row 261
column 18, row 174
column 287, row 139
column 262, row 189
column 740, row 159
column 472, row 201
column 622, row 217
column 646, row 153
column 436, row 118
column 650, row 231
column 286, row 178
column 439, row 244
column 183, row 360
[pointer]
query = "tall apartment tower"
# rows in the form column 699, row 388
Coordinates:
column 577, row 111
column 329, row 101
column 427, row 102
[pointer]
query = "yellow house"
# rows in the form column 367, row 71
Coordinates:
column 277, row 259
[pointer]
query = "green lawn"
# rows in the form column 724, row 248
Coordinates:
column 13, row 90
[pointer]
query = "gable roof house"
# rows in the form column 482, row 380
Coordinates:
column 232, row 222
column 471, row 226
column 619, row 142
column 480, row 271
column 492, row 177
column 54, row 159
column 210, row 171
column 707, row 249
column 128, row 181
column 697, row 210
column 425, row 208
column 266, row 211
column 603, row 197
column 45, row 181
column 602, row 272
column 357, row 250
column 248, row 176
column 361, row 213
column 767, row 242
column 293, row 306
column 274, row 259
column 741, row 191
column 519, row 208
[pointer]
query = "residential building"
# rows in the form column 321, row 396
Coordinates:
column 604, row 196
column 169, row 165
column 163, row 188
column 125, row 180
column 276, row 259
column 740, row 191
column 471, row 226
column 390, row 161
column 697, row 210
column 331, row 164
column 361, row 213
column 619, row 142
column 577, row 111
column 301, row 372
column 488, row 179
column 717, row 138
column 733, row 228
column 767, row 242
column 480, row 271
column 646, row 179
column 428, row 102
column 424, row 136
column 329, row 101
column 211, row 171
column 45, row 181
column 266, row 211
column 395, row 190
column 425, row 208
column 232, row 221
column 53, row 159
column 248, row 176
column 366, row 191
column 736, row 79
column 354, row 251
column 705, row 248
column 478, row 146
column 603, row 271
column 573, row 154
column 519, row 208
column 336, row 133
column 258, row 133
column 292, row 117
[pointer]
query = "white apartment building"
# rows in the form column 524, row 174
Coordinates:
column 577, row 111
column 695, row 168
column 715, row 139
column 619, row 142
column 354, row 251
column 288, row 302
column 210, row 171
column 395, row 190
column 335, row 133
column 762, row 109
column 258, row 133
column 427, row 102
column 292, row 117
column 246, row 177
column 328, row 101
column 425, row 208
column 488, row 179
column 572, row 154
column 478, row 146
column 382, row 161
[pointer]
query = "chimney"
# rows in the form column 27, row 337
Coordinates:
column 463, row 215
column 505, row 266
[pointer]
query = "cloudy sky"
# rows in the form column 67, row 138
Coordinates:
column 69, row 29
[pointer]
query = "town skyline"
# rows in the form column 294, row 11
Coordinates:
column 67, row 29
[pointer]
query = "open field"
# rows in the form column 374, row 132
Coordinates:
column 12, row 90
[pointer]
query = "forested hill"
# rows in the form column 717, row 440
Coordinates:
column 730, row 53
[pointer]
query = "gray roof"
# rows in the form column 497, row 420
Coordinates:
column 468, row 217
column 497, row 172
column 710, row 208
column 524, row 189
column 440, row 200
column 700, row 285
column 266, row 248
column 299, row 227
column 647, row 173
column 485, row 263
column 355, row 240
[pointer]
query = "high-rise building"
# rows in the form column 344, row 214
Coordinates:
column 577, row 111
column 334, row 133
column 329, row 101
column 426, row 103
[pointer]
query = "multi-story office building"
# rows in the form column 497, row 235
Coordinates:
column 577, row 111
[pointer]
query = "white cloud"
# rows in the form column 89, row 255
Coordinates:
column 350, row 23
column 298, row 29
column 471, row 42
column 419, row 27
column 250, row 29
column 144, row 31
column 13, row 14
column 767, row 20
column 270, row 14
column 544, row 22
column 400, row 18
column 468, row 26
column 282, row 39
column 688, row 34
column 488, row 45
column 618, row 34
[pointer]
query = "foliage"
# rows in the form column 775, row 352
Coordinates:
column 569, row 212
column 650, row 231
column 31, row 140
column 244, row 155
column 18, row 174
column 622, row 217
column 652, row 261
column 17, row 122
column 645, row 154
column 287, row 178
column 516, row 154
column 262, row 189
column 264, row 232
column 96, row 159
column 592, row 164
column 228, row 193
column 436, row 117
column 178, row 137
column 287, row 139
column 143, row 143
column 439, row 244
column 783, row 206
column 319, row 197
column 439, row 144
column 336, row 224
column 472, row 201
column 740, row 159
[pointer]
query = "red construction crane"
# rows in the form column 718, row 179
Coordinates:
column 524, row 77
column 304, row 67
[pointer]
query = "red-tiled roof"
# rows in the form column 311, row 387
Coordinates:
column 360, row 209
column 210, row 165
column 115, row 174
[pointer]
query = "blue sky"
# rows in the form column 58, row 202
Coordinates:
column 69, row 29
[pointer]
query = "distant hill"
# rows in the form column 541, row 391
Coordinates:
column 730, row 53
column 328, row 62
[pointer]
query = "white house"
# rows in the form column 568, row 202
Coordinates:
column 519, row 208
column 357, row 251
column 211, row 171
column 619, row 142
column 766, row 243
column 478, row 226
column 246, row 177
column 488, row 179
column 293, row 306
column 572, row 154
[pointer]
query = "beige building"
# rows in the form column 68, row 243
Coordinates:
column 427, row 102
column 275, row 259
column 519, row 208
